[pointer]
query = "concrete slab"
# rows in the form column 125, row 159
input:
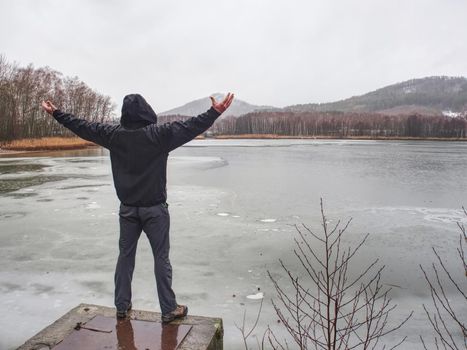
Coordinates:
column 205, row 333
column 109, row 333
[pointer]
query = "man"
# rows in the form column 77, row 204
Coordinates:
column 138, row 152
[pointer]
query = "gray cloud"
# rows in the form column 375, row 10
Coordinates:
column 267, row 52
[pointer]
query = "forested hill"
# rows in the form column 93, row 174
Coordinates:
column 433, row 107
column 427, row 96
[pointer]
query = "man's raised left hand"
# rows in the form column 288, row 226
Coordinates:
column 222, row 106
column 48, row 107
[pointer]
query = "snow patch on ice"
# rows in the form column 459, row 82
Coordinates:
column 439, row 215
column 256, row 296
column 268, row 220
column 93, row 205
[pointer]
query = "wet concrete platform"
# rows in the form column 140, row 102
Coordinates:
column 95, row 327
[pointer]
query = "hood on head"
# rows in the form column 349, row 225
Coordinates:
column 136, row 112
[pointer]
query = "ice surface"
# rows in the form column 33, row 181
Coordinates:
column 406, row 195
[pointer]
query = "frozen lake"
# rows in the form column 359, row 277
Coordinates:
column 233, row 205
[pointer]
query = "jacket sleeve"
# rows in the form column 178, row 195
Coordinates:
column 99, row 133
column 169, row 136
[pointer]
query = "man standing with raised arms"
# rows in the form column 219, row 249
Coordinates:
column 138, row 152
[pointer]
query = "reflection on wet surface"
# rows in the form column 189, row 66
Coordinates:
column 10, row 185
column 22, row 174
column 109, row 333
column 21, row 195
column 44, row 200
column 86, row 161
column 11, row 215
column 7, row 287
column 13, row 167
column 81, row 186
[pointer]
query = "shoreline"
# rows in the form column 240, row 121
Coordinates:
column 86, row 145
column 322, row 137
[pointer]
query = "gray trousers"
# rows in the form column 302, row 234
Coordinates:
column 155, row 222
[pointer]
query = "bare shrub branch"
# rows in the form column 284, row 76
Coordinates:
column 445, row 320
column 327, row 309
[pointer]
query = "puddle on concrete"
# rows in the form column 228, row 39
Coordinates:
column 108, row 333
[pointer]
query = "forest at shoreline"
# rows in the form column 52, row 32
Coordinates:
column 24, row 126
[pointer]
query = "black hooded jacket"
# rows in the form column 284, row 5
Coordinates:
column 139, row 147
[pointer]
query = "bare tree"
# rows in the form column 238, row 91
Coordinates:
column 445, row 320
column 327, row 308
column 23, row 88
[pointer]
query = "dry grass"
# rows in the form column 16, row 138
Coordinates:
column 46, row 144
column 69, row 143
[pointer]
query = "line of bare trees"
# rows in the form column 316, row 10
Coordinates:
column 23, row 88
column 339, row 124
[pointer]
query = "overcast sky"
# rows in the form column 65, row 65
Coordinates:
column 267, row 52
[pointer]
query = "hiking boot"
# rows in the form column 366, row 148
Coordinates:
column 179, row 312
column 124, row 313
